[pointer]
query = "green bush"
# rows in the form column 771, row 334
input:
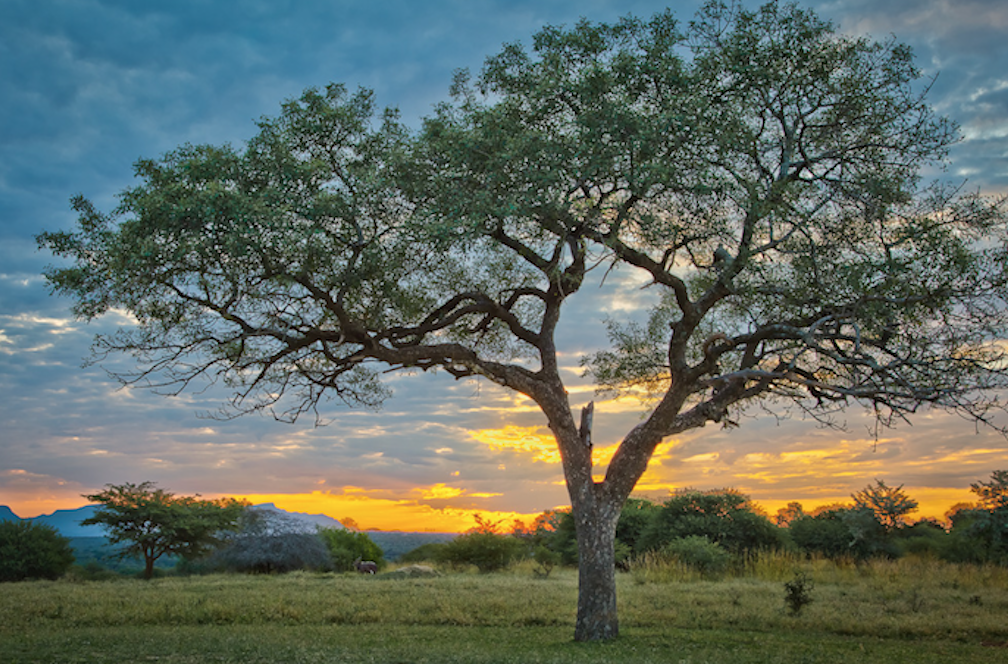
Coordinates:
column 925, row 539
column 32, row 551
column 825, row 534
column 700, row 554
column 489, row 552
column 345, row 546
column 724, row 516
column 853, row 532
column 546, row 559
column 798, row 593
column 979, row 536
column 635, row 517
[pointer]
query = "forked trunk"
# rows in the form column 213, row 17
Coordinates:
column 596, row 536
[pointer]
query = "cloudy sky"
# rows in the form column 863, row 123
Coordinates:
column 89, row 86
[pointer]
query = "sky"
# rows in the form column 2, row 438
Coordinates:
column 87, row 87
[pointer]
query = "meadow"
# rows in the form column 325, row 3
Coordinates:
column 908, row 610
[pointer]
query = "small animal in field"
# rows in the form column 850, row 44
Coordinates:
column 366, row 566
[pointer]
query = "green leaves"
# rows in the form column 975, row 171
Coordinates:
column 153, row 522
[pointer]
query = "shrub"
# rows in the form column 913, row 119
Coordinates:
column 979, row 536
column 844, row 533
column 345, row 546
column 546, row 559
column 700, row 554
column 489, row 552
column 635, row 517
column 31, row 550
column 798, row 593
column 924, row 539
column 563, row 538
column 270, row 542
column 273, row 554
column 825, row 534
column 724, row 516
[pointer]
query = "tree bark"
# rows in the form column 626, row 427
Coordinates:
column 596, row 537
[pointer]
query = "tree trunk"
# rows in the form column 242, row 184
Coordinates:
column 596, row 537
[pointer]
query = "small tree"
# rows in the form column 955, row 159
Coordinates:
column 32, row 551
column 890, row 505
column 153, row 522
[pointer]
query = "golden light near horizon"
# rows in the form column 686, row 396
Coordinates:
column 372, row 512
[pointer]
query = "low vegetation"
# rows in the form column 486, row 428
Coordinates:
column 32, row 551
column 706, row 576
column 908, row 610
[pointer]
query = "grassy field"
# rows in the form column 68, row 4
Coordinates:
column 903, row 611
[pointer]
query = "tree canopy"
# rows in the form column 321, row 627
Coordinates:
column 761, row 171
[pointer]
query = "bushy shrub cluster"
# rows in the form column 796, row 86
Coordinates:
column 489, row 552
column 346, row 546
column 874, row 526
column 710, row 530
column 268, row 542
column 31, row 550
column 724, row 519
column 699, row 553
column 487, row 549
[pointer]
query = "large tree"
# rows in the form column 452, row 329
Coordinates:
column 152, row 522
column 760, row 170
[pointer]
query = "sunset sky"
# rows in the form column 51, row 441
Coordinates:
column 89, row 86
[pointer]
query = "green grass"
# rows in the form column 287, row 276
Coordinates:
column 884, row 612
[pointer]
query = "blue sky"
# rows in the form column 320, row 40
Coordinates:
column 87, row 87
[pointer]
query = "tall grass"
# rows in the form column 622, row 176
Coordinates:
column 908, row 597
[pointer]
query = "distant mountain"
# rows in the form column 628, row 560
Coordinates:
column 67, row 522
column 320, row 520
column 7, row 515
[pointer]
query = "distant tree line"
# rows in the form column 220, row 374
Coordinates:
column 705, row 530
column 710, row 529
